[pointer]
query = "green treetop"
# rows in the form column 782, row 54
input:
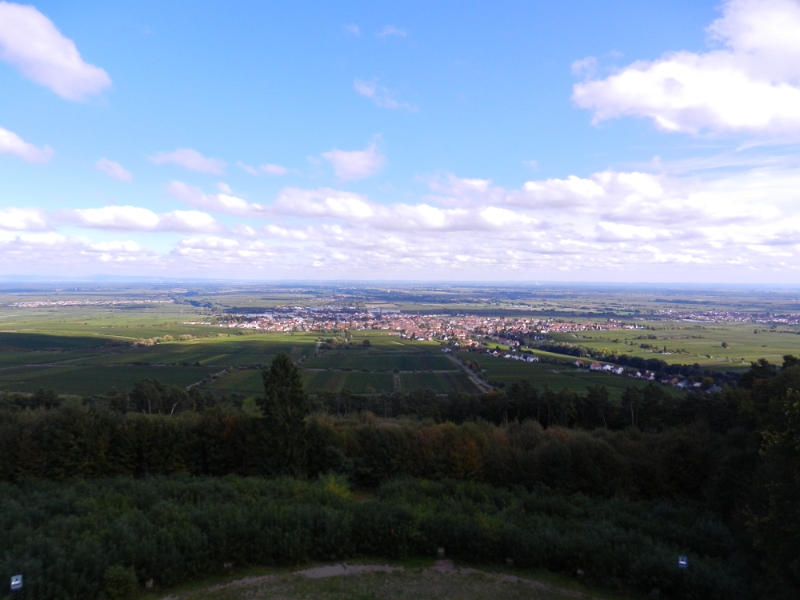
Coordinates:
column 285, row 406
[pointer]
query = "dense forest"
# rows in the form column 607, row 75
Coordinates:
column 105, row 494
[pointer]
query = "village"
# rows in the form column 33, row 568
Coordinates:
column 423, row 327
column 495, row 336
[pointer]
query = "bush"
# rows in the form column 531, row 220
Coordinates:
column 120, row 582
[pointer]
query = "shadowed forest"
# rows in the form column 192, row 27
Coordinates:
column 103, row 494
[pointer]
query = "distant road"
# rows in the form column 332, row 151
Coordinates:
column 482, row 385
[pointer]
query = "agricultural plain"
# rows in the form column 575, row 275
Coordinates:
column 91, row 339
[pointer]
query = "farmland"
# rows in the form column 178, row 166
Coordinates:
column 559, row 376
column 401, row 362
column 441, row 383
column 87, row 341
column 732, row 346
column 394, row 396
column 93, row 379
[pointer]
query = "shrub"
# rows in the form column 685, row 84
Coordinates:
column 120, row 582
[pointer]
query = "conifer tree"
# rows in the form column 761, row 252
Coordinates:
column 285, row 406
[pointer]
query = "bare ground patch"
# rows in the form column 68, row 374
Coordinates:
column 340, row 581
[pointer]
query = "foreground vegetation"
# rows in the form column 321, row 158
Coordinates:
column 85, row 539
column 208, row 455
column 620, row 506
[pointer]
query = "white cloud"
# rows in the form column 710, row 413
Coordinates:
column 188, row 220
column 209, row 242
column 132, row 218
column 283, row 232
column 114, row 217
column 56, row 254
column 192, row 160
column 500, row 217
column 560, row 192
column 113, row 170
column 32, row 43
column 271, row 169
column 380, row 95
column 355, row 164
column 323, row 202
column 351, row 29
column 248, row 168
column 391, row 31
column 11, row 143
column 586, row 67
column 117, row 252
column 116, row 246
column 750, row 85
column 244, row 230
column 357, row 210
column 225, row 202
column 22, row 219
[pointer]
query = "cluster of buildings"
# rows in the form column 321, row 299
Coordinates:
column 730, row 316
column 45, row 303
column 424, row 327
column 678, row 382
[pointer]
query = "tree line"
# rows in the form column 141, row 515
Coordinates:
column 734, row 457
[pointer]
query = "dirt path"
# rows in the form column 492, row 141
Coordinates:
column 213, row 377
column 440, row 568
column 480, row 383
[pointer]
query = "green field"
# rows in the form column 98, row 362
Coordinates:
column 94, row 379
column 250, row 382
column 558, row 377
column 441, row 383
column 92, row 364
column 688, row 343
column 401, row 362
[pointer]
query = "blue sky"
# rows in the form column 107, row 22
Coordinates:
column 526, row 141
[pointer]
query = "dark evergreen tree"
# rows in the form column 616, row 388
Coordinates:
column 776, row 506
column 285, row 406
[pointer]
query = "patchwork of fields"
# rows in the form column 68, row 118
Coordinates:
column 94, row 363
column 441, row 383
column 89, row 350
column 728, row 346
column 94, row 379
column 371, row 362
column 84, row 364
